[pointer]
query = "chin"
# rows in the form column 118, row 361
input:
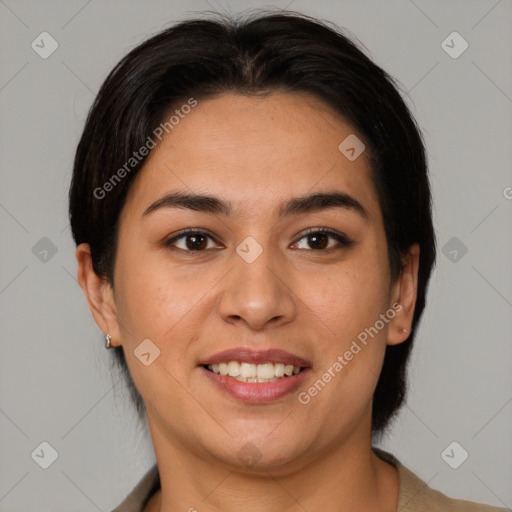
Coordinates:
column 257, row 453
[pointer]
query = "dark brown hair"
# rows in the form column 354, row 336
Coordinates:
column 284, row 51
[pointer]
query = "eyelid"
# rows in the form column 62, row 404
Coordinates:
column 189, row 231
column 340, row 237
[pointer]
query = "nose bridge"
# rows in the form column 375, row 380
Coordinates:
column 256, row 292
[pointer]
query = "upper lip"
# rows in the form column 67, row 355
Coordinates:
column 249, row 355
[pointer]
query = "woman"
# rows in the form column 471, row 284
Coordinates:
column 252, row 213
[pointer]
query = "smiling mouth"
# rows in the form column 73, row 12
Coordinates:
column 254, row 373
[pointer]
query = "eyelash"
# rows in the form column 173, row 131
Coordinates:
column 341, row 238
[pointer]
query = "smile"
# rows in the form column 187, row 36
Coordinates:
column 254, row 373
column 255, row 376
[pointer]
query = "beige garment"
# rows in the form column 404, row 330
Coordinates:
column 414, row 495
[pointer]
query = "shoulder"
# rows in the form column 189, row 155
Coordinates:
column 415, row 495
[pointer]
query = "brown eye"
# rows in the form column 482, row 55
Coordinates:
column 190, row 240
column 318, row 240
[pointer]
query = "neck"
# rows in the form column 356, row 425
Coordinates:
column 348, row 477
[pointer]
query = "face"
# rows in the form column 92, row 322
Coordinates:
column 270, row 274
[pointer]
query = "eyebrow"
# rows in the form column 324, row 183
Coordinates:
column 298, row 205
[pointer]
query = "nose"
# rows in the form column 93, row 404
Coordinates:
column 257, row 294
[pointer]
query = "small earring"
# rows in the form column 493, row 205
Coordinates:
column 404, row 330
column 108, row 341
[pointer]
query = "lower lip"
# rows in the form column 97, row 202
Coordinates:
column 257, row 392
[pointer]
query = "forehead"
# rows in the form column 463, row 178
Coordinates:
column 257, row 150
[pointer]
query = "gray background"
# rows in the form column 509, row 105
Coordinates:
column 55, row 381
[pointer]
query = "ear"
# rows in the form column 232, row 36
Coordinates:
column 404, row 292
column 99, row 294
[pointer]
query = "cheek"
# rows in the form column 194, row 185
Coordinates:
column 347, row 305
column 152, row 303
column 157, row 301
column 349, row 299
column 351, row 355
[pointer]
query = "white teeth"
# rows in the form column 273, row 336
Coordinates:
column 233, row 369
column 265, row 371
column 279, row 369
column 248, row 372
